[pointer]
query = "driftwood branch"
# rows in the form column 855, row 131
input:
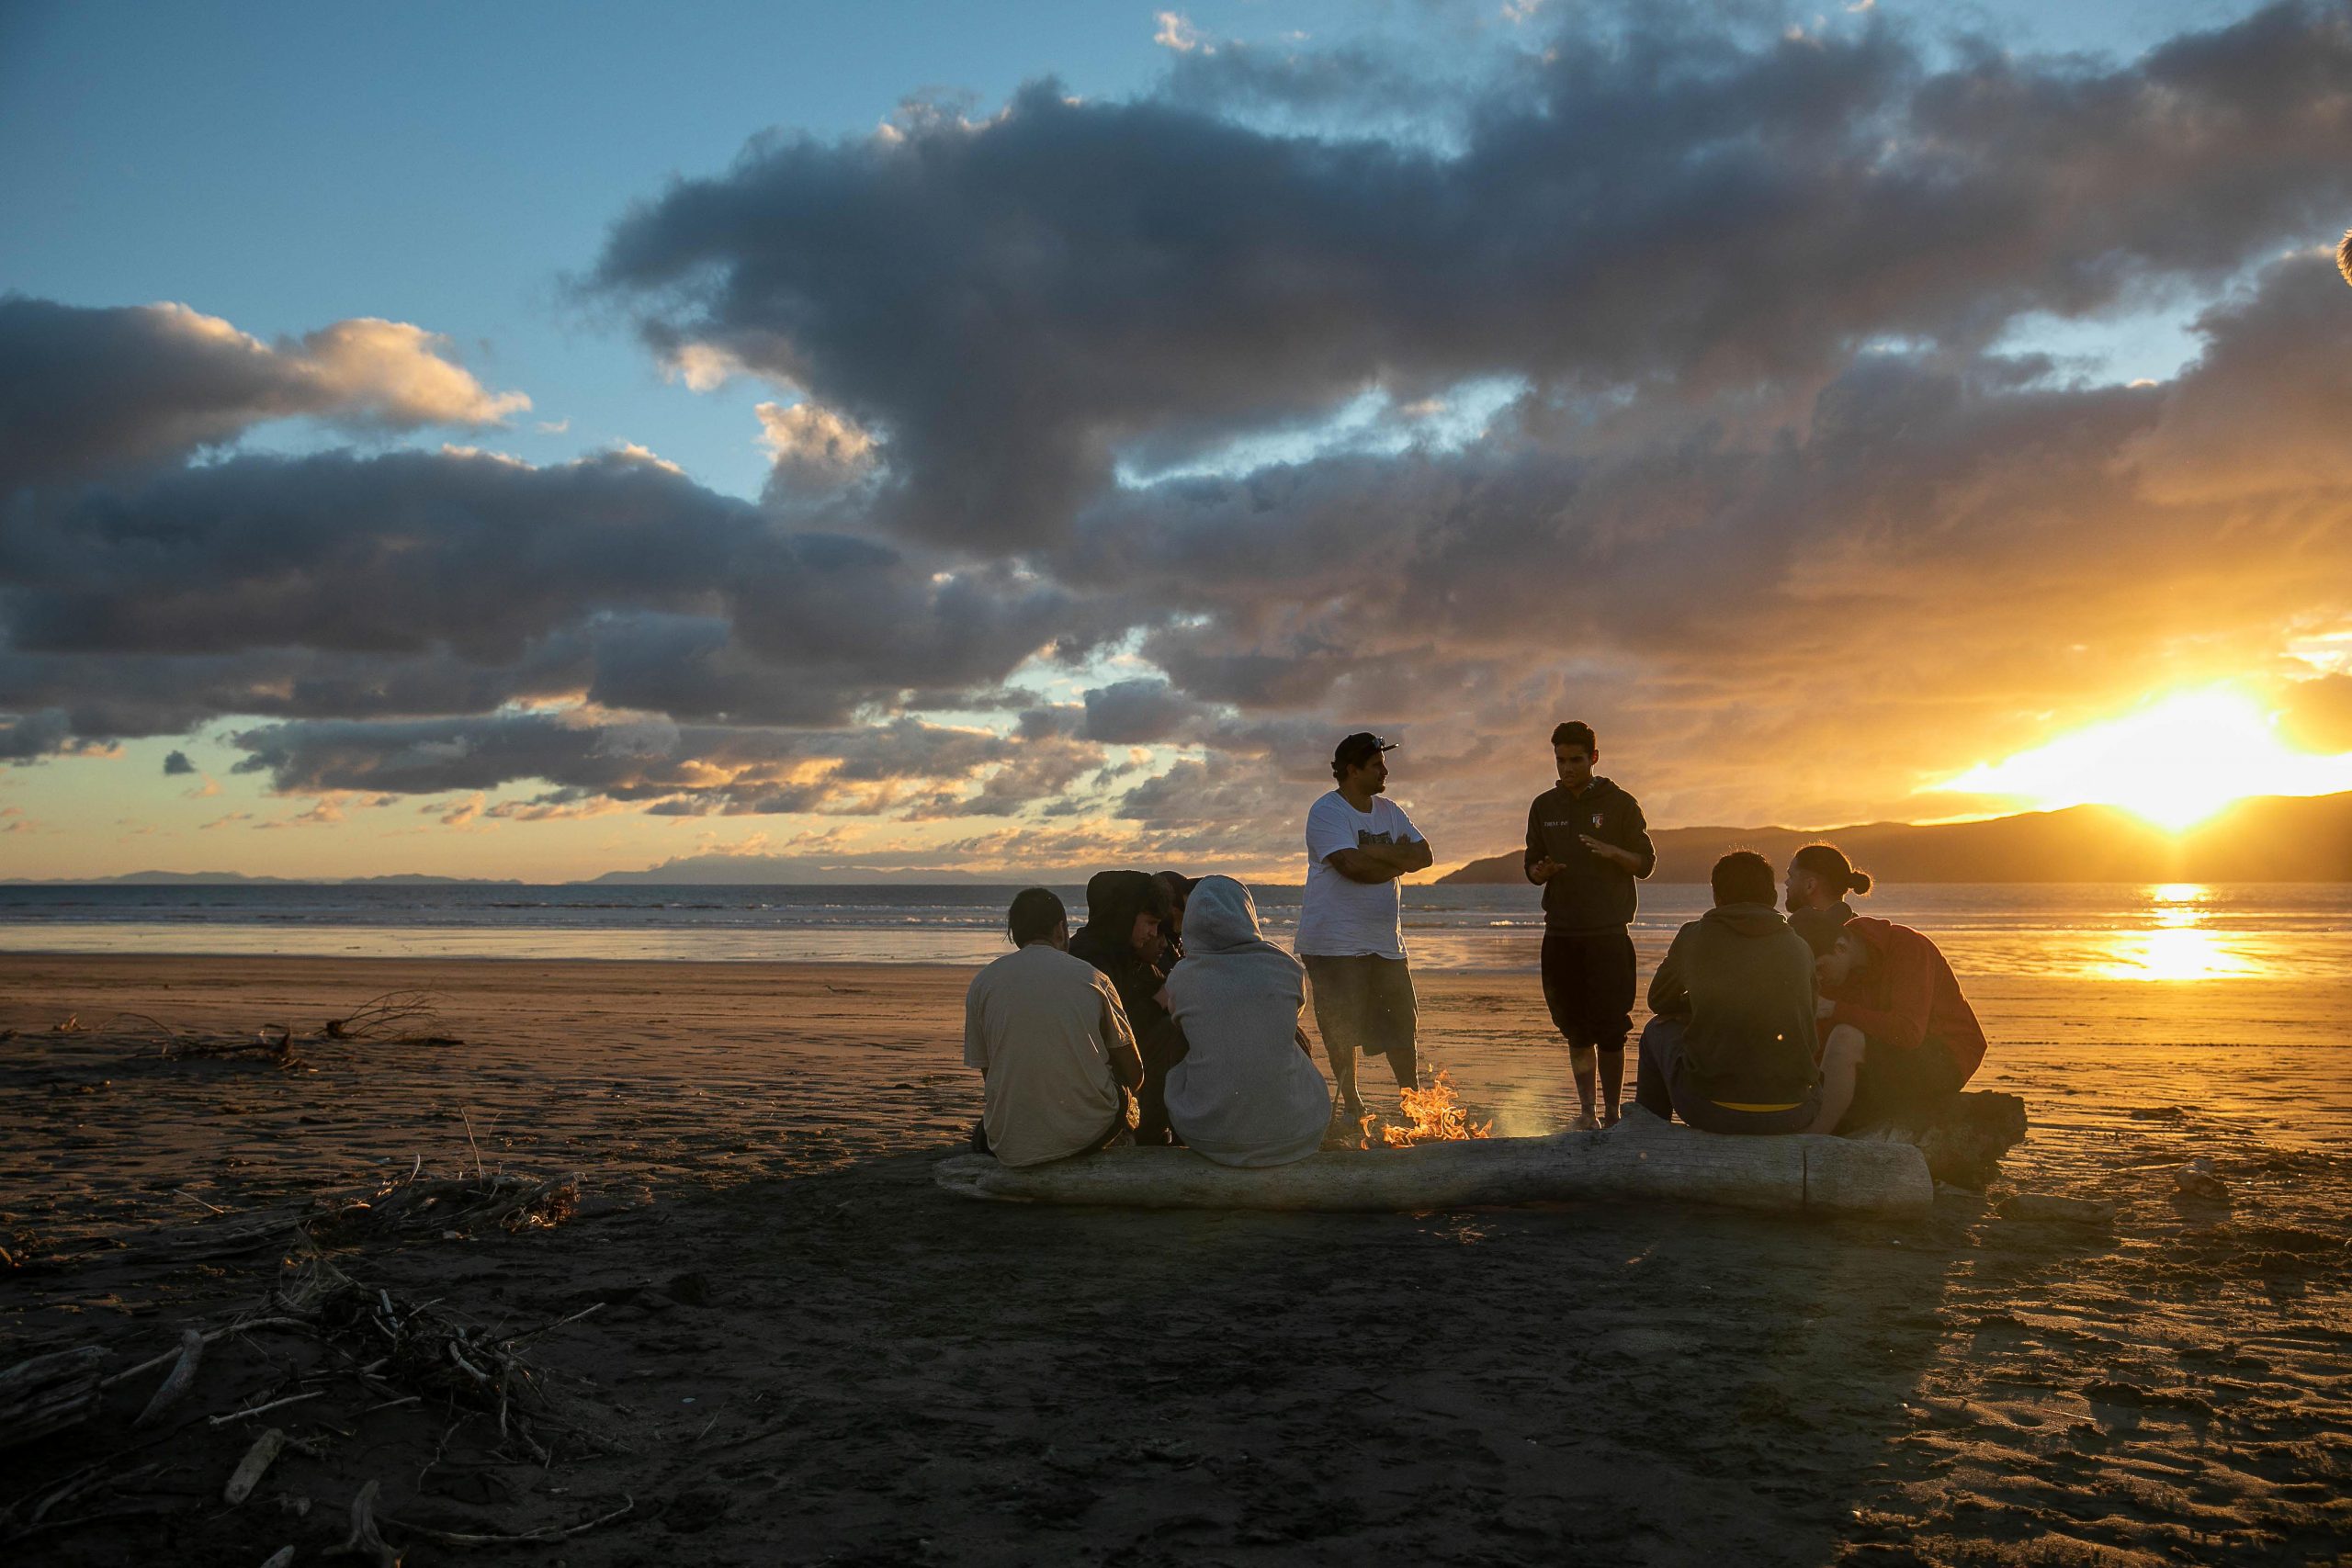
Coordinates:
column 250, row 1468
column 549, row 1533
column 150, row 1364
column 175, row 1383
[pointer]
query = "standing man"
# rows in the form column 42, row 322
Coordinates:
column 1350, row 935
column 1586, row 844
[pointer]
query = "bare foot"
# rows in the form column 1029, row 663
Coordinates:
column 1611, row 1117
column 1588, row 1123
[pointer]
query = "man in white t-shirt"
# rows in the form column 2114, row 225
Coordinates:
column 1349, row 935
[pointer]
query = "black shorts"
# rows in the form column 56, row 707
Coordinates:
column 1363, row 1002
column 1589, row 985
column 1903, row 1085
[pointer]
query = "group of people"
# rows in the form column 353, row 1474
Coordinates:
column 1167, row 1017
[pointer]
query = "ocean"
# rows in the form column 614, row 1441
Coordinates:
column 2108, row 931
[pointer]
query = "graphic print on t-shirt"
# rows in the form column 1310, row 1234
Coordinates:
column 1366, row 837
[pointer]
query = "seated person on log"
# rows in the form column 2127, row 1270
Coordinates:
column 1057, row 1061
column 1732, row 1047
column 1121, row 937
column 1178, row 887
column 1921, row 1042
column 1246, row 1092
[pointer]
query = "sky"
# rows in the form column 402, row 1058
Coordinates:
column 531, row 441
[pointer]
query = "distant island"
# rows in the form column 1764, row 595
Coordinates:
column 2267, row 839
column 239, row 879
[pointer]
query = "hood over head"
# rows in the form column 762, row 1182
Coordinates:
column 1748, row 920
column 1219, row 917
column 1114, row 899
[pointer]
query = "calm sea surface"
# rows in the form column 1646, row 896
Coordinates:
column 2118, row 931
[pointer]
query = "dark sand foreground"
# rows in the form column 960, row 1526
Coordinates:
column 801, row 1352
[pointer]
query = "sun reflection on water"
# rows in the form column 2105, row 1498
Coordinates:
column 2180, row 947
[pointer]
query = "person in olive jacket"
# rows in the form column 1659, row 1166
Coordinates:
column 1586, row 845
column 1731, row 1048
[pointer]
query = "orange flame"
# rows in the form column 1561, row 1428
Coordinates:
column 1436, row 1116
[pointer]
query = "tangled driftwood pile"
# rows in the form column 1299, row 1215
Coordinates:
column 394, row 1018
column 374, row 1349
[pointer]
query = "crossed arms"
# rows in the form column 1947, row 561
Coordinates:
column 1381, row 862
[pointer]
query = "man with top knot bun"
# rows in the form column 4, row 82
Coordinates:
column 1921, row 1039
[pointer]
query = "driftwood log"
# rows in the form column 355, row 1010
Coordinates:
column 1641, row 1158
column 48, row 1393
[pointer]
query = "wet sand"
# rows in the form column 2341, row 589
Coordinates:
column 806, row 1353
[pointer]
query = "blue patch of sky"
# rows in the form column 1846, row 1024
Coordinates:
column 1370, row 423
column 2137, row 345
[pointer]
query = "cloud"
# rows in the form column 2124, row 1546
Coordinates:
column 669, row 769
column 1774, row 502
column 812, row 446
column 1176, row 32
column 447, row 581
column 1139, row 712
column 1660, row 208
column 83, row 389
column 177, row 763
column 322, row 814
column 2263, row 410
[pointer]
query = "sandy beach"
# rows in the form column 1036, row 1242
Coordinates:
column 801, row 1352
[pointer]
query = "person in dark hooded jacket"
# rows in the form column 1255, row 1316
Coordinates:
column 1122, row 937
column 1732, row 1048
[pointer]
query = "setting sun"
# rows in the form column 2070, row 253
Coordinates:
column 2175, row 762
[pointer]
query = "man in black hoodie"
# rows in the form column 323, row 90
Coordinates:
column 1122, row 937
column 1586, row 845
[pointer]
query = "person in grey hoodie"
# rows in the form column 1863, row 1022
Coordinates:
column 1732, row 1046
column 1246, row 1092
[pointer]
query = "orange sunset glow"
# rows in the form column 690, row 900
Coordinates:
column 2175, row 760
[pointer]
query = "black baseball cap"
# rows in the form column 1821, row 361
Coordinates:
column 1359, row 749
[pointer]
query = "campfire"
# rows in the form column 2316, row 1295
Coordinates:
column 1435, row 1117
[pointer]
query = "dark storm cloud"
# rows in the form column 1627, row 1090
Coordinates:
column 28, row 737
column 1137, row 712
column 677, row 769
column 175, row 764
column 85, row 390
column 1009, row 302
column 448, row 581
column 403, row 552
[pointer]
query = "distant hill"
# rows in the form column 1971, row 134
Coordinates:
column 2270, row 839
column 239, row 879
column 784, row 870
